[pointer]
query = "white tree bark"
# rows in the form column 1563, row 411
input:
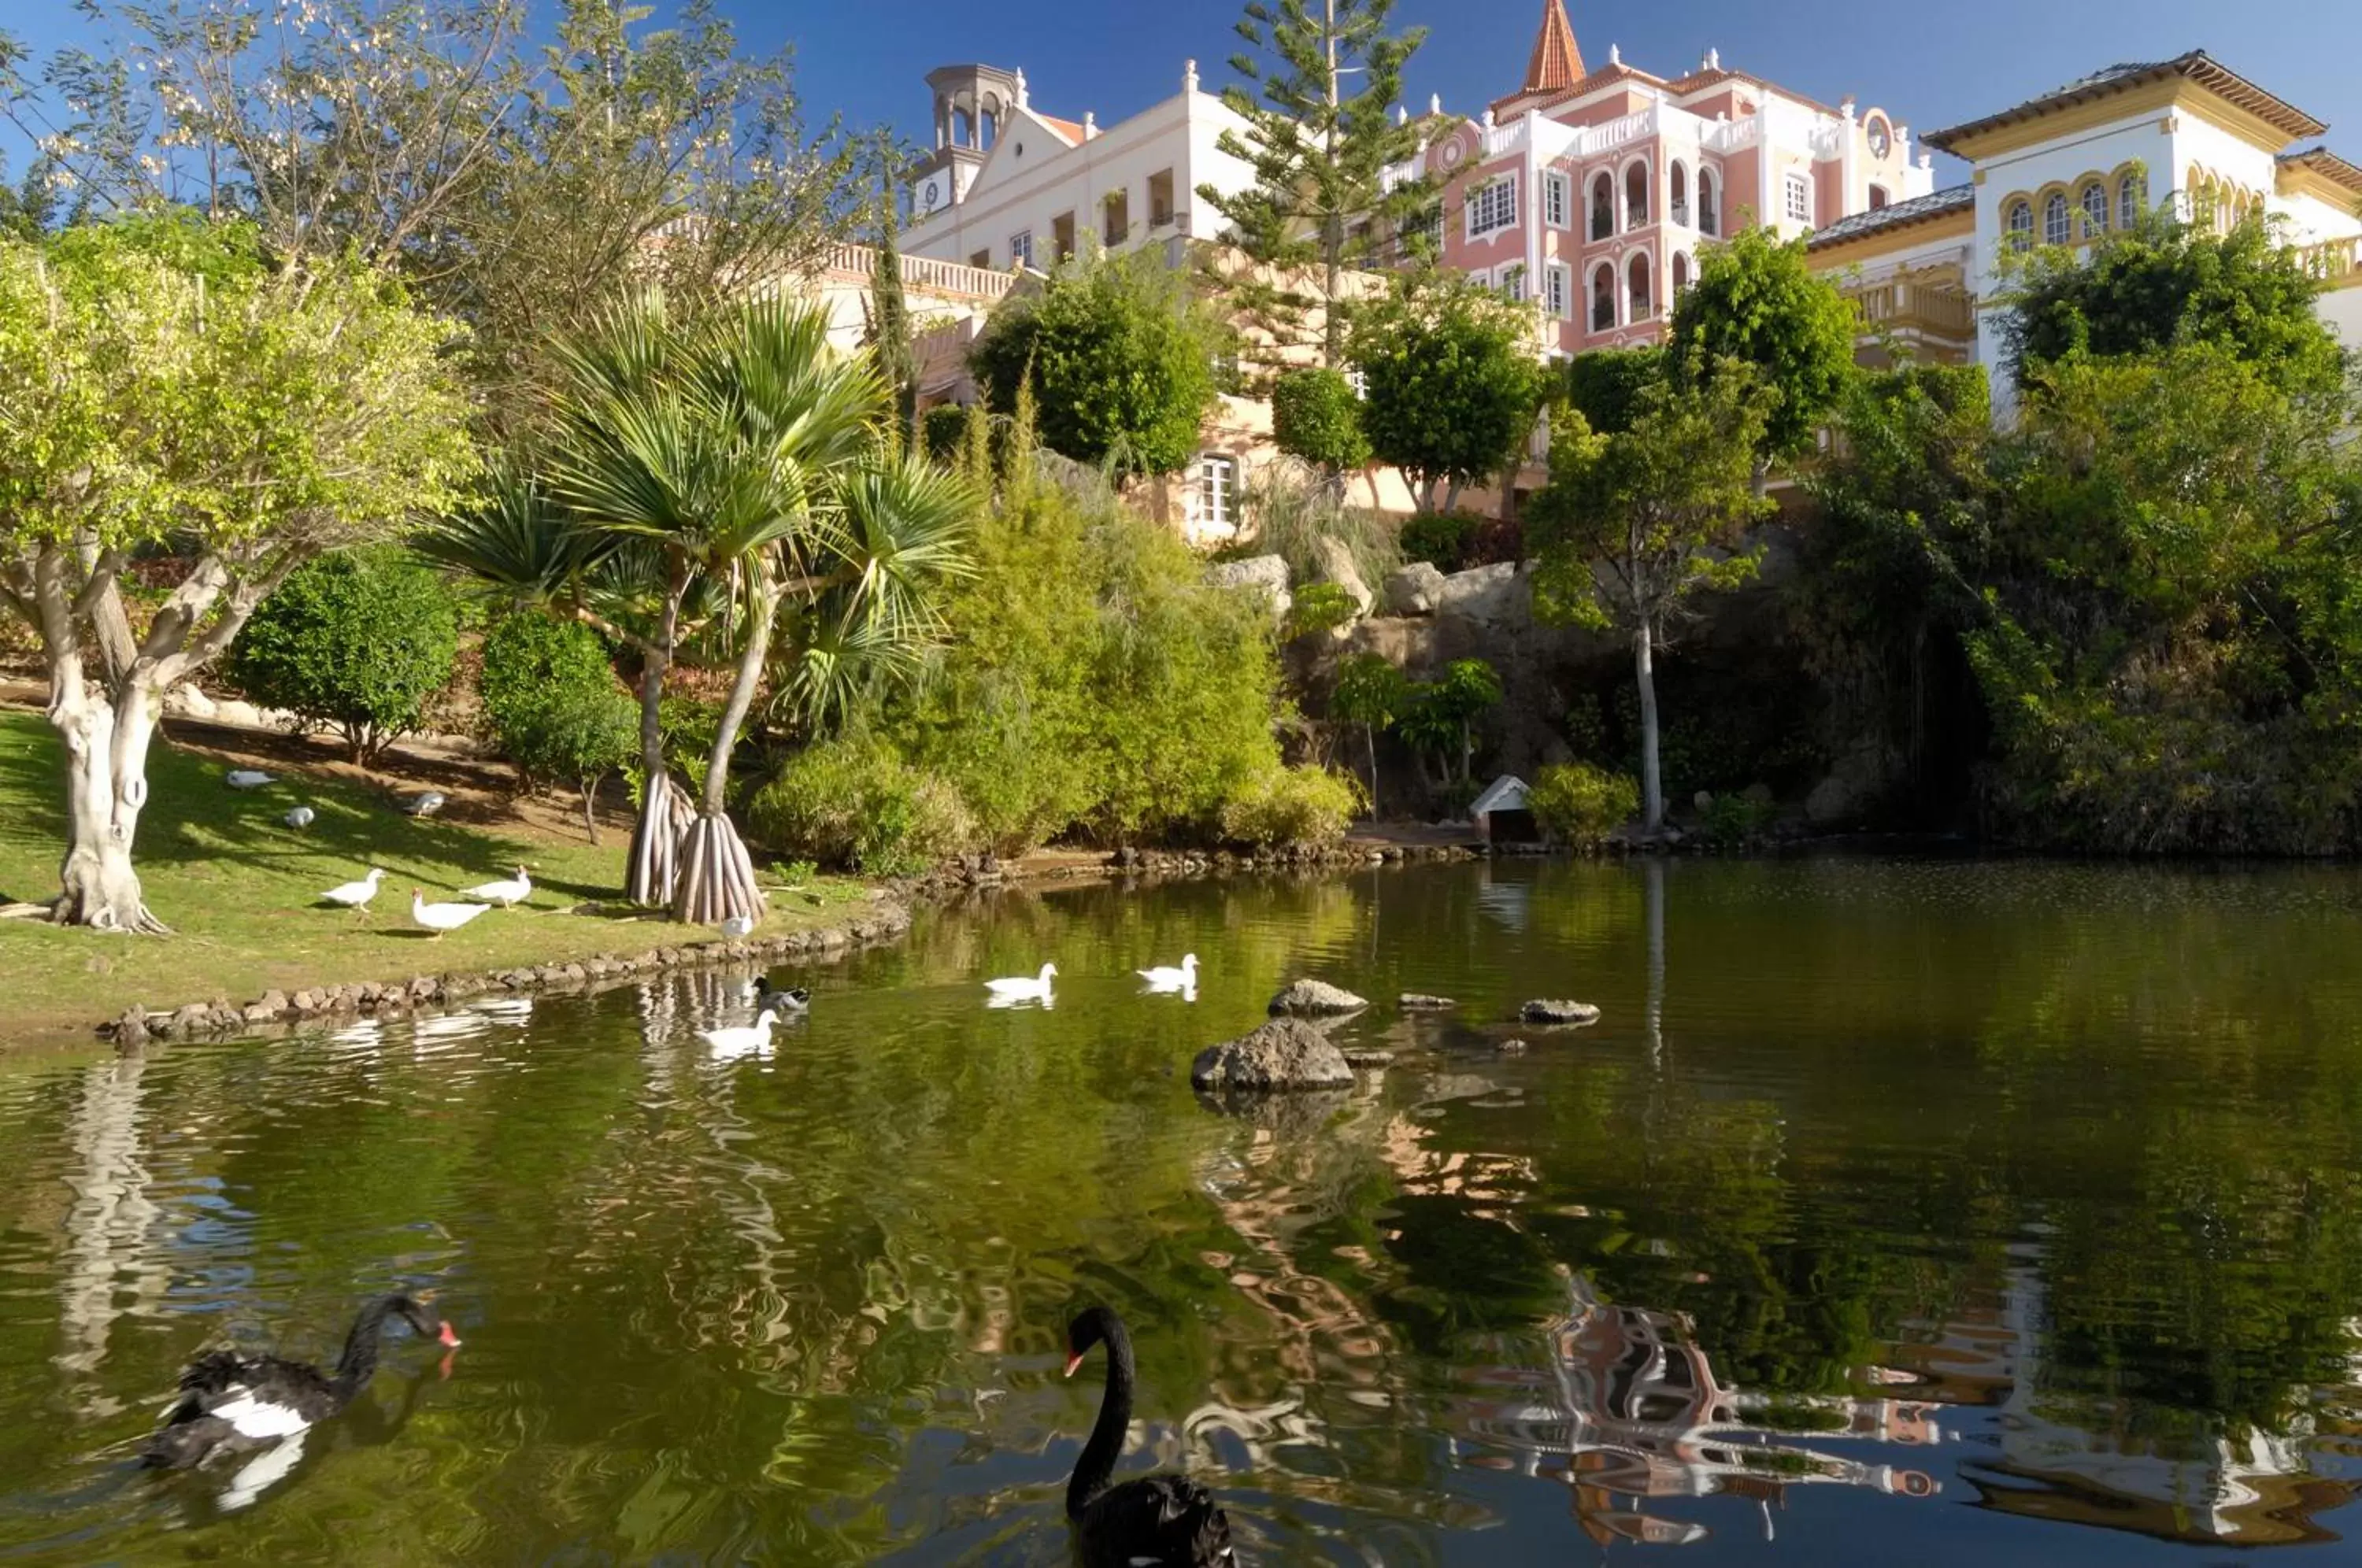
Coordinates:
column 1652, row 788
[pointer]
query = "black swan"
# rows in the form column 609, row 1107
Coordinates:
column 231, row 1403
column 1154, row 1519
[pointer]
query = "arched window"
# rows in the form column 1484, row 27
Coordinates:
column 1635, row 196
column 1640, row 276
column 2094, row 203
column 2054, row 219
column 1603, row 298
column 1878, row 197
column 1603, row 206
column 1681, row 274
column 1709, row 214
column 2132, row 198
column 1680, row 193
column 2021, row 226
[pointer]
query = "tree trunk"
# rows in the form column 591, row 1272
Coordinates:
column 717, row 877
column 1370, row 734
column 1452, row 496
column 649, row 874
column 106, row 785
column 589, row 788
column 1652, row 788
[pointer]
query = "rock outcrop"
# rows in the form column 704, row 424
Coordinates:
column 1414, row 590
column 1546, row 1010
column 1282, row 1054
column 1337, row 566
column 1266, row 574
column 1419, row 1001
column 1314, row 999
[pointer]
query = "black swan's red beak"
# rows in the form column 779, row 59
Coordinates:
column 448, row 1336
column 1073, row 1360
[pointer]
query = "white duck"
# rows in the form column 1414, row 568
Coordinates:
column 1008, row 992
column 301, row 817
column 1165, row 977
column 356, row 896
column 743, row 1040
column 247, row 779
column 505, row 893
column 440, row 918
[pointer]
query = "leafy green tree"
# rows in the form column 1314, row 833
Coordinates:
column 1371, row 692
column 1318, row 142
column 1631, row 527
column 1758, row 301
column 1580, row 804
column 1316, row 415
column 889, row 326
column 1605, row 385
column 360, row 642
column 552, row 705
column 1439, row 716
column 166, row 385
column 2170, row 281
column 1451, row 385
column 1120, row 358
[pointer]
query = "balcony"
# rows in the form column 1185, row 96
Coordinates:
column 2335, row 262
column 1926, row 315
column 924, row 274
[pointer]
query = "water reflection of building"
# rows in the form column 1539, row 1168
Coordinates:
column 2071, row 1459
column 1626, row 1411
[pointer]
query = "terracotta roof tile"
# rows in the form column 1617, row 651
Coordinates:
column 1935, row 203
column 2196, row 65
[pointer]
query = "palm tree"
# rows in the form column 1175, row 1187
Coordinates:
column 745, row 458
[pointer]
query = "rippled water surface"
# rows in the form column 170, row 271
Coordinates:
column 1938, row 1214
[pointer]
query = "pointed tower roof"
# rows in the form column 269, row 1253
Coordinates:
column 1557, row 63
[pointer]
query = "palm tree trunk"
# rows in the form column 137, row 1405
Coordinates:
column 717, row 875
column 650, row 873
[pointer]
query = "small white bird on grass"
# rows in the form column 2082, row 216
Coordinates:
column 356, row 896
column 504, row 893
column 247, row 779
column 747, row 1039
column 1010, row 992
column 300, row 817
column 737, row 926
column 1165, row 978
column 425, row 805
column 440, row 918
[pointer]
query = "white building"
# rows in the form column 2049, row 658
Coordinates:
column 1009, row 186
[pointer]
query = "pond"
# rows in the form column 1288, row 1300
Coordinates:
column 1927, row 1213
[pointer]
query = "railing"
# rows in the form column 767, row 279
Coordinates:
column 924, row 275
column 1933, row 310
column 1729, row 136
column 2336, row 262
column 1680, row 214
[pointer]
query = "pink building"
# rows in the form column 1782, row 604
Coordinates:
column 1590, row 191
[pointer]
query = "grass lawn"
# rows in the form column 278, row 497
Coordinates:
column 241, row 889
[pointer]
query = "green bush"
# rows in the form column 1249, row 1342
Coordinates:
column 1291, row 805
column 1289, row 509
column 854, row 804
column 1733, row 821
column 942, row 430
column 1320, row 607
column 552, row 705
column 356, row 642
column 1579, row 804
column 1442, row 539
column 1314, row 416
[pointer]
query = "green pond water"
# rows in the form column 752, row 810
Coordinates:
column 1894, row 1213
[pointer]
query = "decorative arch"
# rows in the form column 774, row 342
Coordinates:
column 2054, row 215
column 1640, row 271
column 1636, row 193
column 2130, row 181
column 1677, row 198
column 2091, row 206
column 1602, row 202
column 1681, row 276
column 2017, row 220
column 1601, row 291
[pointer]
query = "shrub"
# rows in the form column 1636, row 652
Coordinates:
column 552, row 705
column 1579, row 804
column 356, row 642
column 942, row 430
column 854, row 804
column 1291, row 805
column 1289, row 510
column 1314, row 416
column 1320, row 607
column 1442, row 539
column 1732, row 821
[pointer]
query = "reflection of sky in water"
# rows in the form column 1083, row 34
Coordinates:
column 1923, row 1213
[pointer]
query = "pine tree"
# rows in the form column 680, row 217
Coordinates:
column 889, row 326
column 1317, row 209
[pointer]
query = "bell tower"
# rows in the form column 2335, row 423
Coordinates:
column 971, row 104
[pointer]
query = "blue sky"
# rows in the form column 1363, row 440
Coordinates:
column 868, row 58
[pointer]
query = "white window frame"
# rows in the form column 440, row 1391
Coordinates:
column 1217, row 489
column 1798, row 197
column 1557, row 198
column 1493, row 207
column 1512, row 279
column 2055, row 206
column 1021, row 248
column 1558, row 289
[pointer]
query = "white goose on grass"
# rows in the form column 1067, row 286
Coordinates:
column 506, row 893
column 356, row 896
column 247, row 779
column 1165, row 977
column 440, row 918
column 1008, row 992
column 750, row 1039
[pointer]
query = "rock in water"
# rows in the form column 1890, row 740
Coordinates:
column 1366, row 1055
column 1311, row 999
column 1543, row 1011
column 1283, row 1054
column 1419, row 1001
